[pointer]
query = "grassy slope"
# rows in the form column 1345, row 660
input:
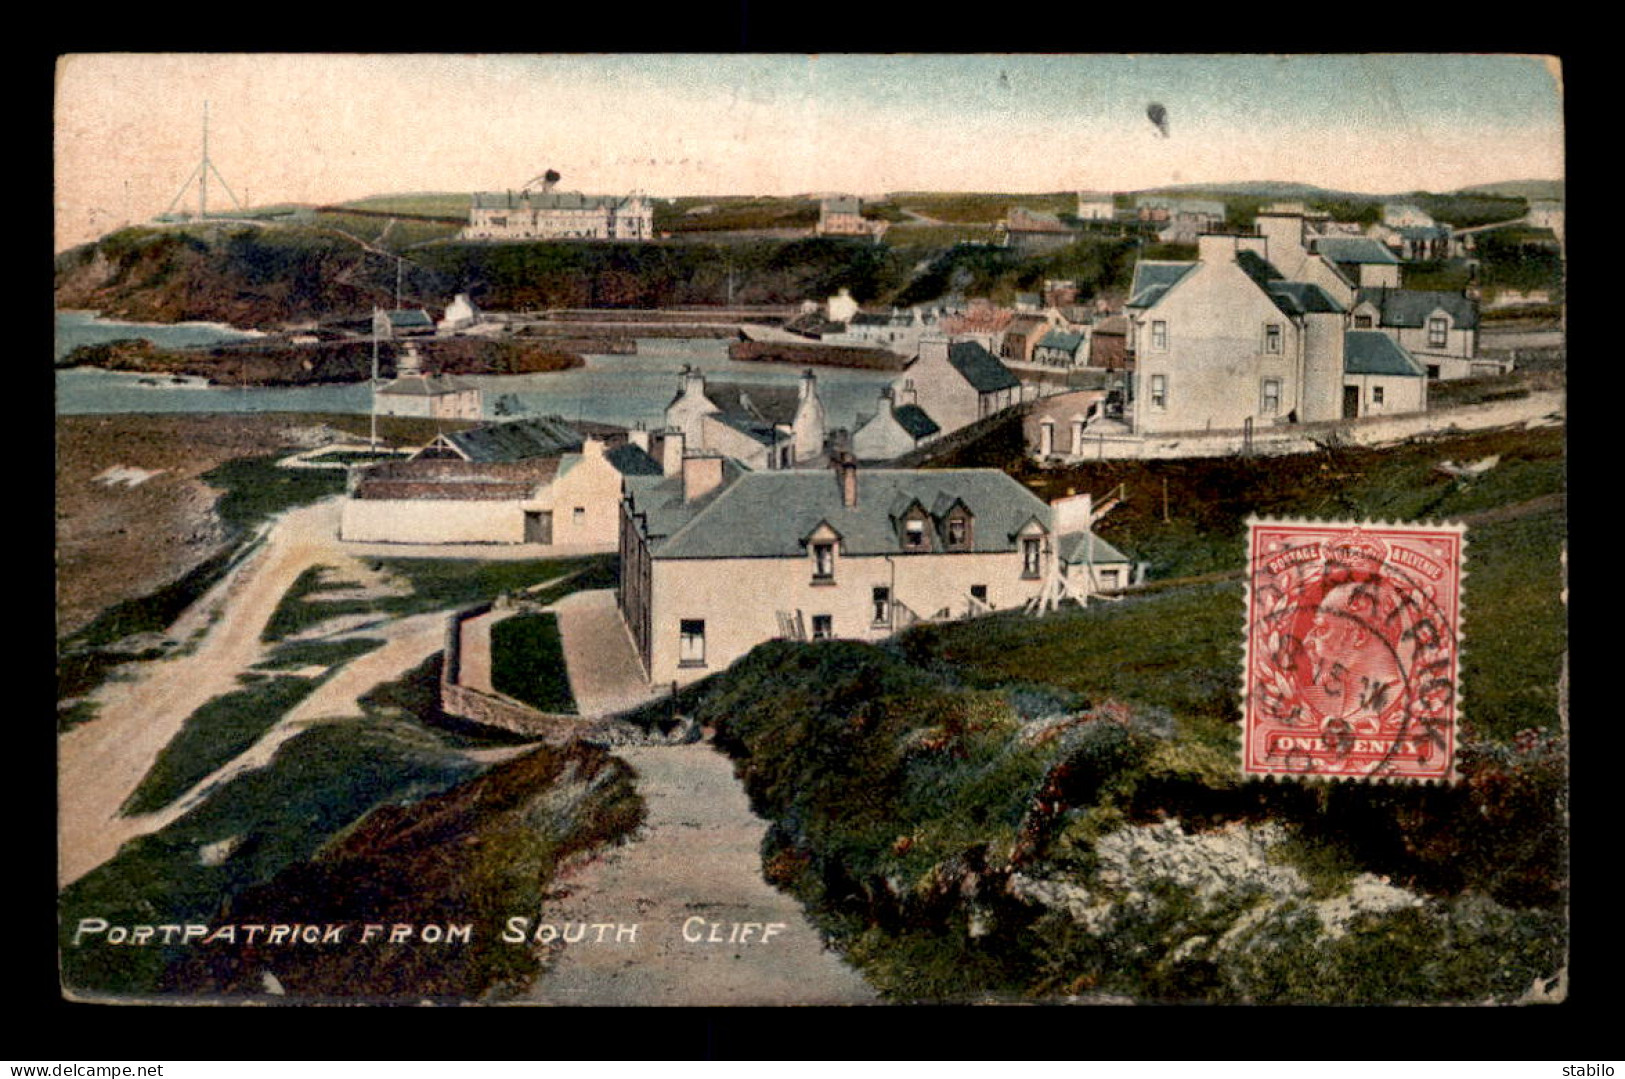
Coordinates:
column 905, row 793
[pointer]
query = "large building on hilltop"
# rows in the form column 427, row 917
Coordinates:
column 559, row 215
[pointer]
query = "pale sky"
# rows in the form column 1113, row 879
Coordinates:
column 331, row 127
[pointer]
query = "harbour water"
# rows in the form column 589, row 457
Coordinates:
column 624, row 390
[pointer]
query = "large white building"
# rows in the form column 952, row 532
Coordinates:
column 717, row 559
column 559, row 215
column 1231, row 340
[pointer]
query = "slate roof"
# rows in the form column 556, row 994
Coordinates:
column 546, row 200
column 1372, row 352
column 630, row 460
column 841, row 204
column 430, row 386
column 1303, row 298
column 980, row 368
column 1410, row 308
column 517, row 440
column 1069, row 342
column 1152, row 280
column 770, row 514
column 1356, row 249
column 1210, row 207
column 768, row 404
column 1291, row 297
column 409, row 320
column 915, row 420
column 1424, row 232
column 1078, row 548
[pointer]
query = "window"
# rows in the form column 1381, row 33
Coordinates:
column 578, row 516
column 823, row 627
column 1362, row 322
column 1159, row 391
column 1272, row 338
column 691, row 643
column 958, row 533
column 1433, row 371
column 1438, row 332
column 978, row 592
column 914, row 534
column 1376, row 395
column 1159, row 336
column 882, row 606
column 823, row 561
column 1030, row 550
column 1271, row 405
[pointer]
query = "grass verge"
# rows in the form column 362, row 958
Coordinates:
column 527, row 662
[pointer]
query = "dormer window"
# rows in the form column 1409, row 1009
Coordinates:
column 958, row 533
column 1438, row 332
column 914, row 534
column 823, row 561
column 1031, row 550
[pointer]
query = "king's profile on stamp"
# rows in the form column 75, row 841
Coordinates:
column 1353, row 648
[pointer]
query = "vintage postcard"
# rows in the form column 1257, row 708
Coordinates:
column 765, row 529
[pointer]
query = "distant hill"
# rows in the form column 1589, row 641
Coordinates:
column 1267, row 189
column 1523, row 189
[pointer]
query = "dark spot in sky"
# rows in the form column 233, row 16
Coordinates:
column 1158, row 116
column 1004, row 81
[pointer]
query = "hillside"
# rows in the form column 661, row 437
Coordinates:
column 1019, row 808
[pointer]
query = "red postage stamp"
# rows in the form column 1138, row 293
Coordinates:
column 1353, row 650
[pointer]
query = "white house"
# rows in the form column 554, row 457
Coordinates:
column 1380, row 377
column 430, row 397
column 1229, row 341
column 569, row 499
column 765, row 427
column 956, row 383
column 1096, row 206
column 719, row 559
column 460, row 315
column 842, row 215
column 1405, row 215
column 1440, row 329
column 894, row 429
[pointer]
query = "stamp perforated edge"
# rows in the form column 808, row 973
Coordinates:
column 1453, row 773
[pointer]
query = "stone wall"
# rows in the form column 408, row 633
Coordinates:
column 1308, row 437
column 495, row 710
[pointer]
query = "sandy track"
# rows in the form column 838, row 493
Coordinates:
column 100, row 763
column 696, row 864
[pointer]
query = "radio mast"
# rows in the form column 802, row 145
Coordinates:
column 201, row 175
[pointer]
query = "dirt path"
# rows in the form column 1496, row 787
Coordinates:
column 100, row 763
column 691, row 879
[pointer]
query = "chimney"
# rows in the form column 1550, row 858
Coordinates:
column 1072, row 513
column 808, row 384
column 701, row 476
column 639, row 438
column 846, row 472
column 1215, row 247
column 592, row 447
column 671, row 452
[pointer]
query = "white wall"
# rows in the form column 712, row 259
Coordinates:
column 739, row 599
